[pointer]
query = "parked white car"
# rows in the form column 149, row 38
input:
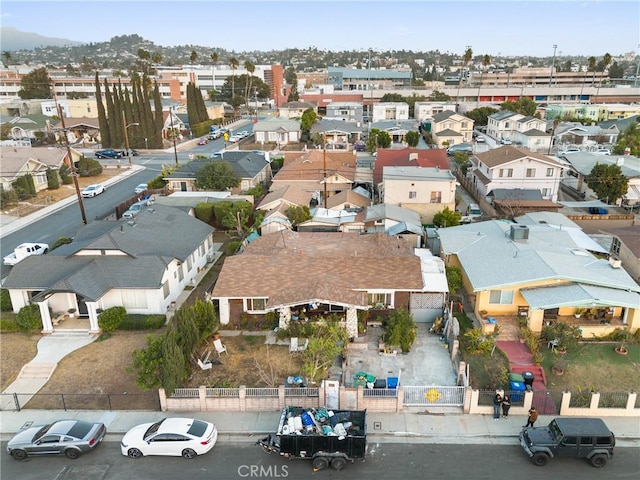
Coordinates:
column 186, row 437
column 93, row 190
column 568, row 151
column 25, row 250
column 603, row 151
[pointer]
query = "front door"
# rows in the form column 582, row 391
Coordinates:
column 83, row 311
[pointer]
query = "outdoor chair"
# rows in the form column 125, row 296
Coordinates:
column 220, row 348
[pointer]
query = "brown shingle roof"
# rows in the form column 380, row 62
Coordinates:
column 508, row 153
column 296, row 267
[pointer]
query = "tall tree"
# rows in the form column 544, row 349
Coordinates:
column 468, row 55
column 155, row 136
column 592, row 68
column 193, row 57
column 216, row 176
column 607, row 182
column 214, row 61
column 36, row 84
column 105, row 135
column 234, row 64
column 250, row 68
column 7, row 57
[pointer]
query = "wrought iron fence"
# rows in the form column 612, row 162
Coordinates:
column 613, row 400
column 433, row 395
column 262, row 392
column 380, row 392
column 302, row 392
column 223, row 392
column 80, row 401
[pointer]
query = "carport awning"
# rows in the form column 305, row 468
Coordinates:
column 579, row 295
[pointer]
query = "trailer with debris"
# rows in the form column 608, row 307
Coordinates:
column 329, row 438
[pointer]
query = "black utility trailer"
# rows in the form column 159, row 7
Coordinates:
column 327, row 437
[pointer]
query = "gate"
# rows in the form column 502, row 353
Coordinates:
column 547, row 402
column 434, row 396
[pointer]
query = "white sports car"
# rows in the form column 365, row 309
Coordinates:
column 186, row 437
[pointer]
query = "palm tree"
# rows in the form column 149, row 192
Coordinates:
column 214, row 61
column 468, row 55
column 250, row 68
column 7, row 57
column 234, row 64
column 144, row 57
column 592, row 68
column 156, row 58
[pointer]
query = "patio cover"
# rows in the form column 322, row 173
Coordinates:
column 579, row 295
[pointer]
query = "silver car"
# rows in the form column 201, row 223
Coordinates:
column 134, row 210
column 64, row 437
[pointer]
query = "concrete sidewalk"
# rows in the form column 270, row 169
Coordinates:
column 448, row 426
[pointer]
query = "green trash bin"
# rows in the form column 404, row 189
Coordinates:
column 516, row 377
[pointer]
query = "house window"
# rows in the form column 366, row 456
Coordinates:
column 546, row 192
column 189, row 263
column 165, row 289
column 256, row 304
column 134, row 299
column 180, row 272
column 503, row 297
column 549, row 172
column 379, row 299
column 531, row 172
column 615, row 246
column 436, row 197
column 413, row 195
column 506, row 172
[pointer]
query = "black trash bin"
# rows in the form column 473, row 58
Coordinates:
column 528, row 380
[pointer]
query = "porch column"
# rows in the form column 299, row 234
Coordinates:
column 47, row 325
column 285, row 317
column 352, row 322
column 223, row 311
column 93, row 317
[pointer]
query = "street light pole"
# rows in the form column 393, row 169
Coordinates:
column 126, row 136
column 553, row 64
column 72, row 167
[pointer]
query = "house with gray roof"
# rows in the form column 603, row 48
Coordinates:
column 20, row 161
column 279, row 131
column 294, row 110
column 451, row 128
column 141, row 265
column 541, row 270
column 346, row 112
column 321, row 273
column 252, row 167
column 338, row 133
column 526, row 131
column 585, row 136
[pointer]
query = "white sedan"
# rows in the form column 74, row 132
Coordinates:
column 93, row 190
column 186, row 437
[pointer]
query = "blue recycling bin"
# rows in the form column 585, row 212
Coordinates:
column 392, row 382
column 517, row 391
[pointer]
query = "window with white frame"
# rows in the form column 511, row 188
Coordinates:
column 256, row 304
column 413, row 195
column 546, row 192
column 134, row 299
column 502, row 297
column 505, row 172
column 165, row 289
column 615, row 246
column 379, row 299
column 549, row 172
column 531, row 172
column 436, row 197
column 181, row 272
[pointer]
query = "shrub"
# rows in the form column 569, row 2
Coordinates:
column 7, row 197
column 143, row 322
column 204, row 212
column 88, row 167
column 566, row 335
column 401, row 329
column 28, row 318
column 111, row 318
column 8, row 325
column 5, row 301
column 61, row 241
column 53, row 181
column 232, row 247
column 65, row 175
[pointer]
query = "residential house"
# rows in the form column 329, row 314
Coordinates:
column 19, row 161
column 318, row 173
column 252, row 167
column 387, row 111
column 79, row 131
column 593, row 111
column 582, row 163
column 326, row 220
column 32, row 127
column 397, row 130
column 395, row 221
column 574, row 133
column 294, row 110
column 451, row 128
column 279, row 131
column 315, row 274
column 510, row 167
column 408, row 157
column 215, row 109
column 345, row 111
column 625, row 247
column 337, row 133
column 518, row 201
column 539, row 272
column 528, row 132
column 425, row 111
column 424, row 190
column 142, row 265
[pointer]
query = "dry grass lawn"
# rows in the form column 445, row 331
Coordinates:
column 16, row 349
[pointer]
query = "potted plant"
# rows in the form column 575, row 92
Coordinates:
column 71, row 312
column 558, row 367
column 564, row 336
column 579, row 312
column 623, row 337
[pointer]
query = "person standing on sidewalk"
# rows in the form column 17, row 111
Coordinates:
column 497, row 401
column 533, row 416
column 506, row 405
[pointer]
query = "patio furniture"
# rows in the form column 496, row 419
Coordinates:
column 220, row 348
column 205, row 364
column 296, row 346
column 552, row 344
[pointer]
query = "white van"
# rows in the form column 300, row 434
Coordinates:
column 473, row 211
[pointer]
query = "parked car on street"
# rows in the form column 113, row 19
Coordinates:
column 203, row 141
column 63, row 437
column 141, row 188
column 603, row 151
column 93, row 190
column 505, row 141
column 234, row 138
column 568, row 151
column 25, row 250
column 108, row 153
column 460, row 147
column 186, row 437
column 134, row 210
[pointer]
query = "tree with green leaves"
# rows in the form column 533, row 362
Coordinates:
column 292, row 79
column 7, row 57
column 454, row 279
column 233, row 62
column 250, row 68
column 326, row 342
column 378, row 139
column 298, row 214
column 193, row 57
column 607, row 182
column 308, row 119
column 36, row 84
column 412, row 138
column 523, row 106
column 400, row 329
column 447, row 218
column 233, row 215
column 261, row 89
column 591, row 67
column 480, row 115
column 629, row 138
column 438, row 96
column 217, row 176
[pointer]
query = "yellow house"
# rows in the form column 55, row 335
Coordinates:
column 541, row 271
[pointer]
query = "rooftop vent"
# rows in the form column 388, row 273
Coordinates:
column 519, row 232
column 615, row 262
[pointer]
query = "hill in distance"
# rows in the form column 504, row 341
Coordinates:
column 13, row 39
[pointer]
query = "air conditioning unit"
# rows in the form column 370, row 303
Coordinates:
column 615, row 262
column 210, row 257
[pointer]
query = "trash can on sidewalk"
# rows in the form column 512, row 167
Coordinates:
column 516, row 377
column 528, row 377
column 517, row 391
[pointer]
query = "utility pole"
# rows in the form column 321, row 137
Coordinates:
column 72, row 167
column 324, row 168
column 173, row 134
column 553, row 64
column 126, row 136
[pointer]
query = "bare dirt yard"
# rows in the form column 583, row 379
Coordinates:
column 16, row 349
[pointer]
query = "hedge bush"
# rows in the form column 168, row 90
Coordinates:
column 8, row 325
column 88, row 167
column 5, row 301
column 28, row 318
column 143, row 322
column 111, row 318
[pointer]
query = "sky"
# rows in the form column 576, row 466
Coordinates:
column 506, row 27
